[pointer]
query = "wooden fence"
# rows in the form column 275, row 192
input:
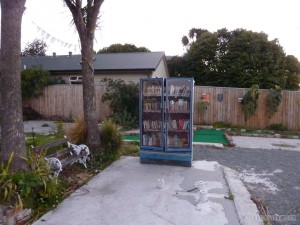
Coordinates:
column 66, row 101
column 229, row 110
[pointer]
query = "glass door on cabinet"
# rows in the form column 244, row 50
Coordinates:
column 151, row 113
column 179, row 114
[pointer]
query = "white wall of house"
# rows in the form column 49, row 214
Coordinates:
column 135, row 76
column 161, row 70
column 126, row 77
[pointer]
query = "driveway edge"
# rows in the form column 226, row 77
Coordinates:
column 246, row 209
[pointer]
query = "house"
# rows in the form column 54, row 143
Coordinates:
column 125, row 66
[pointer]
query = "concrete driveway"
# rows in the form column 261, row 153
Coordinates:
column 128, row 192
column 267, row 143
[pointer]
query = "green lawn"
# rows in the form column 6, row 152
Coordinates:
column 207, row 136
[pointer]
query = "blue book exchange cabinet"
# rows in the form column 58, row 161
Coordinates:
column 166, row 120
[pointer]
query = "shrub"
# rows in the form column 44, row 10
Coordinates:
column 249, row 101
column 111, row 137
column 202, row 107
column 34, row 80
column 278, row 127
column 78, row 132
column 221, row 124
column 123, row 100
column 33, row 188
column 131, row 148
column 273, row 100
column 125, row 119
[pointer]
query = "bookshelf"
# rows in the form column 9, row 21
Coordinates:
column 166, row 107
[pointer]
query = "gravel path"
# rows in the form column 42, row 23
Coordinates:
column 273, row 175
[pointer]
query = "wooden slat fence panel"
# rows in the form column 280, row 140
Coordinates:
column 66, row 101
column 229, row 110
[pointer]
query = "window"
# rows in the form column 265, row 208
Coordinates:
column 75, row 79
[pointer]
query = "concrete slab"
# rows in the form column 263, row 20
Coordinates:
column 40, row 126
column 128, row 192
column 267, row 143
column 215, row 145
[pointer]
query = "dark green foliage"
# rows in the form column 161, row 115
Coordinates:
column 33, row 188
column 111, row 137
column 125, row 119
column 238, row 58
column 177, row 66
column 293, row 73
column 221, row 124
column 118, row 48
column 36, row 48
column 55, row 80
column 277, row 127
column 273, row 100
column 123, row 100
column 202, row 107
column 34, row 80
column 249, row 101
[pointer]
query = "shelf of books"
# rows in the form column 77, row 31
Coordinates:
column 179, row 114
column 166, row 120
column 151, row 124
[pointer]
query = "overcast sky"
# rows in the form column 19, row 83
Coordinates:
column 160, row 24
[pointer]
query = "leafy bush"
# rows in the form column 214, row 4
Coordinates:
column 278, row 127
column 221, row 124
column 34, row 80
column 8, row 189
column 273, row 100
column 131, row 148
column 249, row 101
column 123, row 100
column 111, row 137
column 202, row 106
column 33, row 188
column 125, row 119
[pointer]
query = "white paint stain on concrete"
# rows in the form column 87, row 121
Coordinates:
column 260, row 178
column 206, row 165
column 278, row 171
column 208, row 185
column 210, row 207
column 166, row 202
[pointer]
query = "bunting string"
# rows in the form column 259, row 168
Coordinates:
column 47, row 36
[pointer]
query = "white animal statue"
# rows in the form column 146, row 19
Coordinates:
column 81, row 150
column 55, row 165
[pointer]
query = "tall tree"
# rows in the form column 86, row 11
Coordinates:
column 117, row 48
column 293, row 73
column 238, row 58
column 12, row 128
column 36, row 48
column 176, row 66
column 85, row 19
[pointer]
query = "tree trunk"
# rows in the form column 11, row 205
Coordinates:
column 89, row 97
column 12, row 128
column 85, row 20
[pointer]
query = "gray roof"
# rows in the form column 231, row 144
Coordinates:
column 105, row 61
